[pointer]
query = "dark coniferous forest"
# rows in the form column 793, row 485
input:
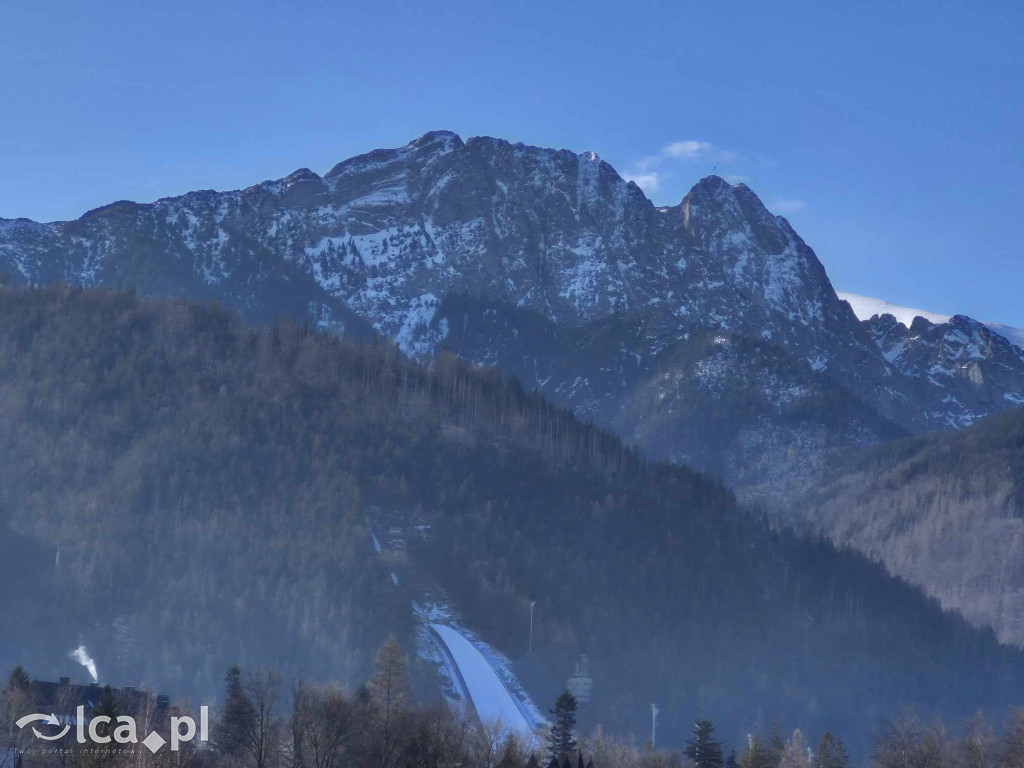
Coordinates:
column 185, row 493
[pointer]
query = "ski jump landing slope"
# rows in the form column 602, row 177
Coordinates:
column 490, row 697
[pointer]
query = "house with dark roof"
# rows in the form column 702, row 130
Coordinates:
column 66, row 701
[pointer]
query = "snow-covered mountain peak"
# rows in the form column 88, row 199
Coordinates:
column 711, row 184
column 714, row 189
column 729, row 205
column 302, row 174
column 866, row 308
column 447, row 139
column 422, row 150
column 965, row 368
column 964, row 321
column 528, row 257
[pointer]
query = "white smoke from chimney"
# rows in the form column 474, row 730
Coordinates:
column 81, row 655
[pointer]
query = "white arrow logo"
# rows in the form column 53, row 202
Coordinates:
column 50, row 719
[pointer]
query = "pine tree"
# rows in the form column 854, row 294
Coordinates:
column 561, row 740
column 831, row 753
column 730, row 762
column 703, row 749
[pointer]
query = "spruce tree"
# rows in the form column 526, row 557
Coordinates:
column 18, row 680
column 561, row 740
column 233, row 732
column 703, row 749
column 106, row 707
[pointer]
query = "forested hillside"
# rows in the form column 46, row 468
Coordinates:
column 738, row 407
column 944, row 511
column 183, row 491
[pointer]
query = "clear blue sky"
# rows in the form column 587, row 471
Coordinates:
column 889, row 133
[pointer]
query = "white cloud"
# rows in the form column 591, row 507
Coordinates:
column 786, row 205
column 647, row 181
column 688, row 149
column 648, row 162
column 651, row 172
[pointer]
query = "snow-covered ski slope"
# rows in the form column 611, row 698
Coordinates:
column 490, row 697
column 474, row 676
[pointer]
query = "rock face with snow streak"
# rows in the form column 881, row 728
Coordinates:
column 545, row 263
column 961, row 369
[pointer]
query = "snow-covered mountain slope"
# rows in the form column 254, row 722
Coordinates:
column 865, row 308
column 544, row 262
column 963, row 368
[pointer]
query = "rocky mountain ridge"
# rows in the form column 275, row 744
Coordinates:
column 960, row 363
column 549, row 265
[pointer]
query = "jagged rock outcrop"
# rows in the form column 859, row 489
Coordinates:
column 961, row 369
